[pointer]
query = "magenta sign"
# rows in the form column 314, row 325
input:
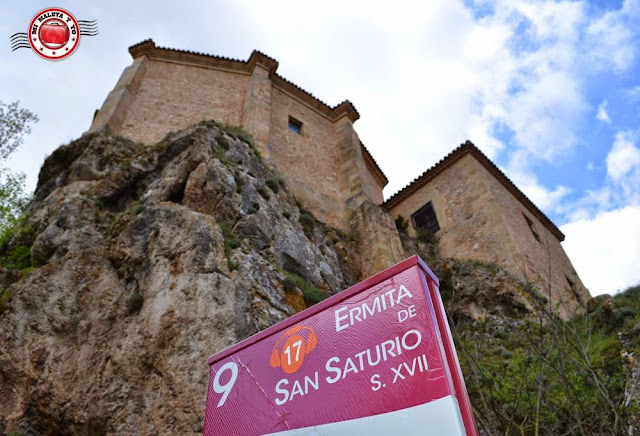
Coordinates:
column 376, row 359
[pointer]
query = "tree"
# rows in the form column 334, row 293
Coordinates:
column 14, row 124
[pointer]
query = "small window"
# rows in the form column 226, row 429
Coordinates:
column 533, row 231
column 425, row 218
column 295, row 126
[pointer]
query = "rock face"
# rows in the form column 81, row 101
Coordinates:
column 148, row 260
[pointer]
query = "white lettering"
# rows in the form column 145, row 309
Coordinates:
column 346, row 317
column 329, row 368
column 281, row 401
column 340, row 318
column 375, row 380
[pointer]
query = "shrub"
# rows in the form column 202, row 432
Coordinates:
column 223, row 142
column 402, row 224
column 239, row 182
column 273, row 184
column 5, row 296
column 263, row 192
column 231, row 242
column 307, row 221
column 311, row 293
column 240, row 133
column 19, row 257
column 424, row 236
column 134, row 303
column 16, row 244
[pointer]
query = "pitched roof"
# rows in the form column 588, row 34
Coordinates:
column 346, row 108
column 453, row 157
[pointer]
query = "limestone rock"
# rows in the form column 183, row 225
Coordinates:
column 149, row 259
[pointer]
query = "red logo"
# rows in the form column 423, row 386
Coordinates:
column 53, row 34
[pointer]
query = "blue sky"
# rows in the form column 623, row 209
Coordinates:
column 550, row 90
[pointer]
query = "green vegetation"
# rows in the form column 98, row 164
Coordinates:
column 15, row 252
column 15, row 245
column 263, row 193
column 15, row 122
column 222, row 156
column 273, row 184
column 423, row 235
column 311, row 293
column 237, row 132
column 134, row 208
column 402, row 224
column 239, row 182
column 5, row 296
column 491, row 267
column 231, row 242
column 138, row 208
column 307, row 221
column 134, row 303
column 543, row 375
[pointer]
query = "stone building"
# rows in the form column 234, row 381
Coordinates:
column 478, row 213
column 472, row 207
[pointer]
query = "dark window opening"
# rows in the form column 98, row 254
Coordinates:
column 425, row 218
column 295, row 126
column 535, row 234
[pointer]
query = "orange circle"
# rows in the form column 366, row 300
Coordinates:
column 292, row 354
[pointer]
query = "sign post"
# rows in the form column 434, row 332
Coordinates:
column 375, row 359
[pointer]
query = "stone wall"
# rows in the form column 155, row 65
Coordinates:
column 327, row 167
column 306, row 160
column 540, row 259
column 167, row 90
column 471, row 226
column 480, row 219
column 174, row 96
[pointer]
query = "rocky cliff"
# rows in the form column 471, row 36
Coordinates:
column 134, row 264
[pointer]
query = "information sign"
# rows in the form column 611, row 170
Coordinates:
column 375, row 359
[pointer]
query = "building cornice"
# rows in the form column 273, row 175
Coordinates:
column 469, row 149
column 373, row 167
column 149, row 49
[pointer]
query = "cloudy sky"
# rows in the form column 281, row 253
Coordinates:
column 549, row 90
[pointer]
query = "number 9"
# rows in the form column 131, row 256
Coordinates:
column 225, row 388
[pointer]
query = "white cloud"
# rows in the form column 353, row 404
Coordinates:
column 602, row 114
column 605, row 250
column 631, row 8
column 529, row 85
column 624, row 157
column 634, row 92
column 610, row 42
column 621, row 187
column 527, row 182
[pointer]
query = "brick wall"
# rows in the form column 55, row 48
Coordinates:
column 174, row 96
column 307, row 160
